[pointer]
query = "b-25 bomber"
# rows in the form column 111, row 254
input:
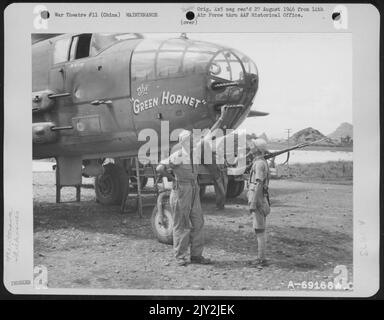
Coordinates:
column 94, row 93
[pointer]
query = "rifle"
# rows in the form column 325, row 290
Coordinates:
column 298, row 146
column 270, row 155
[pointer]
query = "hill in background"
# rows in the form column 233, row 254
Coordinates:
column 264, row 136
column 309, row 135
column 343, row 133
column 342, row 138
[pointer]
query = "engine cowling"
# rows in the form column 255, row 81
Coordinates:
column 42, row 132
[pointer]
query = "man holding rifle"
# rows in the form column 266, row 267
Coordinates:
column 258, row 199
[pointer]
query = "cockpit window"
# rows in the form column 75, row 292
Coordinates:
column 60, row 50
column 169, row 63
column 80, row 46
column 174, row 45
column 196, row 61
column 101, row 41
column 220, row 66
column 200, row 46
column 249, row 65
column 231, row 65
column 174, row 57
column 148, row 45
column 143, row 65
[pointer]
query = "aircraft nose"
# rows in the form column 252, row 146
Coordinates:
column 232, row 86
column 221, row 76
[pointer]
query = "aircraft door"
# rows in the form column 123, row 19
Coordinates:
column 99, row 86
column 57, row 80
column 57, row 73
column 116, row 113
column 84, row 82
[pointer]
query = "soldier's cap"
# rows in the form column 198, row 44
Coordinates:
column 259, row 144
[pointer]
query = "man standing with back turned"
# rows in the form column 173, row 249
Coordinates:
column 218, row 173
column 258, row 199
column 185, row 204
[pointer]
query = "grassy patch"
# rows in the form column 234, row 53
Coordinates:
column 329, row 171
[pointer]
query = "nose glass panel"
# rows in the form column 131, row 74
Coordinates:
column 231, row 65
column 233, row 83
column 248, row 64
column 226, row 66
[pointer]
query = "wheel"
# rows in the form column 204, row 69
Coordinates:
column 234, row 188
column 202, row 192
column 231, row 187
column 110, row 185
column 163, row 229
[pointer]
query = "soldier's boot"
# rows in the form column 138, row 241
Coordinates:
column 200, row 260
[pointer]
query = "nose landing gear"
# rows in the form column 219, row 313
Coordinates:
column 162, row 220
column 235, row 188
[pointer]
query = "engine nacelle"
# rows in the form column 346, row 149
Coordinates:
column 41, row 101
column 42, row 132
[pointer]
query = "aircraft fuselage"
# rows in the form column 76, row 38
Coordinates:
column 91, row 99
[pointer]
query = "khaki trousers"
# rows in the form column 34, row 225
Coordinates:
column 188, row 220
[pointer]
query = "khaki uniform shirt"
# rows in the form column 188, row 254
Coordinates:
column 259, row 175
column 259, row 171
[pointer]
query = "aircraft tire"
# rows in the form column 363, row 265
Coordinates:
column 163, row 231
column 234, row 188
column 110, row 186
column 240, row 188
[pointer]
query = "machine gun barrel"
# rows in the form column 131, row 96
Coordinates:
column 298, row 146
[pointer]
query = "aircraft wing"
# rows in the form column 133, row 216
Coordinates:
column 254, row 113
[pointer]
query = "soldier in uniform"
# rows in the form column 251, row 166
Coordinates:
column 221, row 186
column 185, row 204
column 218, row 172
column 220, row 182
column 258, row 199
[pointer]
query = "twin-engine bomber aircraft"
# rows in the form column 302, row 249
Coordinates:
column 93, row 93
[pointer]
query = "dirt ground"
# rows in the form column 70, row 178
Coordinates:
column 87, row 245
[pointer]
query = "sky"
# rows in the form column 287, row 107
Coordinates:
column 305, row 78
